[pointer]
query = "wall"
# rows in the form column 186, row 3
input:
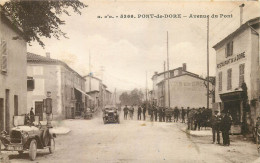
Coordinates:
column 94, row 84
column 15, row 79
column 186, row 91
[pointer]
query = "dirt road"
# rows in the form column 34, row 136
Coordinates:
column 136, row 141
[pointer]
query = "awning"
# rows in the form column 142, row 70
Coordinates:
column 231, row 96
column 84, row 93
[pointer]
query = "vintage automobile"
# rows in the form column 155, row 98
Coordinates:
column 27, row 137
column 110, row 115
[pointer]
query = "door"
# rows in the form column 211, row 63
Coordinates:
column 2, row 122
column 39, row 109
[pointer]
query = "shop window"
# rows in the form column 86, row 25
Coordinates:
column 3, row 56
column 241, row 74
column 229, row 49
column 229, row 79
column 220, row 81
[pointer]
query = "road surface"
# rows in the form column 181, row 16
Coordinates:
column 137, row 141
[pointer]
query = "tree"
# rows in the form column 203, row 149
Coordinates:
column 40, row 18
column 133, row 98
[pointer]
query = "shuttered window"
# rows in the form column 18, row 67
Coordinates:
column 229, row 49
column 220, row 81
column 229, row 79
column 3, row 56
column 241, row 74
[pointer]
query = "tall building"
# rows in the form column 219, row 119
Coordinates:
column 12, row 72
column 67, row 87
column 237, row 59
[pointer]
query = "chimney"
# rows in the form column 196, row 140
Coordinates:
column 48, row 55
column 184, row 67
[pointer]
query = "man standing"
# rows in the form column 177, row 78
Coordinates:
column 225, row 127
column 125, row 112
column 183, row 113
column 139, row 112
column 163, row 114
column 160, row 114
column 155, row 112
column 144, row 111
column 215, row 121
column 32, row 119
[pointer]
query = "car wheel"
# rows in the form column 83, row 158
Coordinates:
column 46, row 137
column 20, row 152
column 33, row 150
column 52, row 146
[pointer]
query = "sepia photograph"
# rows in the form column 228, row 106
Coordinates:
column 128, row 81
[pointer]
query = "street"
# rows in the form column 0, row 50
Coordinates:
column 137, row 141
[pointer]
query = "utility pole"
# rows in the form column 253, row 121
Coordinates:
column 241, row 13
column 90, row 76
column 207, row 62
column 163, row 87
column 169, row 102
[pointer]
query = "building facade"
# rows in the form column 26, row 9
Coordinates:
column 237, row 59
column 12, row 73
column 186, row 89
column 67, row 87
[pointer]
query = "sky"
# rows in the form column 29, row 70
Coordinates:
column 122, row 50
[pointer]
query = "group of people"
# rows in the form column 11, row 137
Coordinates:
column 221, row 123
column 130, row 111
column 198, row 118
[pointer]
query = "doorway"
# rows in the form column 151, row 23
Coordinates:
column 39, row 109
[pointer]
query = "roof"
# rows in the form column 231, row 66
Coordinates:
column 241, row 28
column 94, row 91
column 181, row 76
column 92, row 77
column 34, row 58
column 174, row 70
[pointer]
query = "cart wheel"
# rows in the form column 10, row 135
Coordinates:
column 33, row 150
column 20, row 152
column 52, row 146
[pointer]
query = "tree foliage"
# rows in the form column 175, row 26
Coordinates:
column 40, row 18
column 133, row 98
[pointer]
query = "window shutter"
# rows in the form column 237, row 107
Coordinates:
column 3, row 56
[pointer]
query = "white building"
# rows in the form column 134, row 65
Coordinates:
column 237, row 59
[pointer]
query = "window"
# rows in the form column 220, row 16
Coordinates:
column 229, row 49
column 30, row 84
column 220, row 81
column 241, row 74
column 3, row 56
column 229, row 79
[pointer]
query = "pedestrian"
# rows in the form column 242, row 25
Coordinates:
column 198, row 119
column 168, row 114
column 225, row 127
column 139, row 112
column 160, row 114
column 131, row 111
column 183, row 113
column 144, row 111
column 125, row 112
column 176, row 114
column 32, row 118
column 215, row 122
column 155, row 111
column 163, row 114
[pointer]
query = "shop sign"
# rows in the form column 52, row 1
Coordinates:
column 231, row 60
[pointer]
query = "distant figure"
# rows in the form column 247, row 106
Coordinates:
column 144, row 111
column 215, row 121
column 183, row 113
column 32, row 119
column 155, row 111
column 160, row 114
column 176, row 114
column 131, row 112
column 168, row 114
column 139, row 111
column 125, row 112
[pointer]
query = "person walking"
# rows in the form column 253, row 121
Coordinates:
column 215, row 122
column 225, row 127
column 125, row 112
column 139, row 111
column 183, row 113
